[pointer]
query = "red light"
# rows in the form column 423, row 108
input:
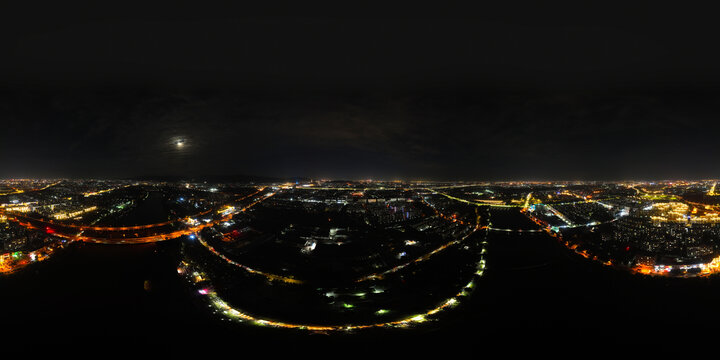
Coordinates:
column 49, row 230
column 627, row 248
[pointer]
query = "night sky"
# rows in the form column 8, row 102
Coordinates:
column 512, row 92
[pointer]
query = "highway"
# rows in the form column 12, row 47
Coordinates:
column 11, row 262
column 134, row 238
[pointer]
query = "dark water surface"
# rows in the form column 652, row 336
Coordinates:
column 150, row 209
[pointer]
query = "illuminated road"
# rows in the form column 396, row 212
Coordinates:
column 94, row 193
column 470, row 202
column 269, row 276
column 195, row 275
column 379, row 275
column 104, row 228
column 706, row 269
column 20, row 191
column 11, row 262
column 53, row 227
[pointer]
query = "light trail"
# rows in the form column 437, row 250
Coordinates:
column 555, row 232
column 527, row 201
column 346, row 189
column 427, row 255
column 514, row 230
column 269, row 276
column 470, row 202
column 108, row 228
column 560, row 215
column 172, row 235
column 9, row 264
column 417, row 260
column 292, row 280
column 123, row 228
column 196, row 275
column 20, row 191
column 94, row 193
column 484, row 227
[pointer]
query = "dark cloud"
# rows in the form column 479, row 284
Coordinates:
column 485, row 92
column 431, row 135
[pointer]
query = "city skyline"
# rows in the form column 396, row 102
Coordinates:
column 257, row 178
column 357, row 260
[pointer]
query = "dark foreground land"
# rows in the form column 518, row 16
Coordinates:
column 534, row 292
